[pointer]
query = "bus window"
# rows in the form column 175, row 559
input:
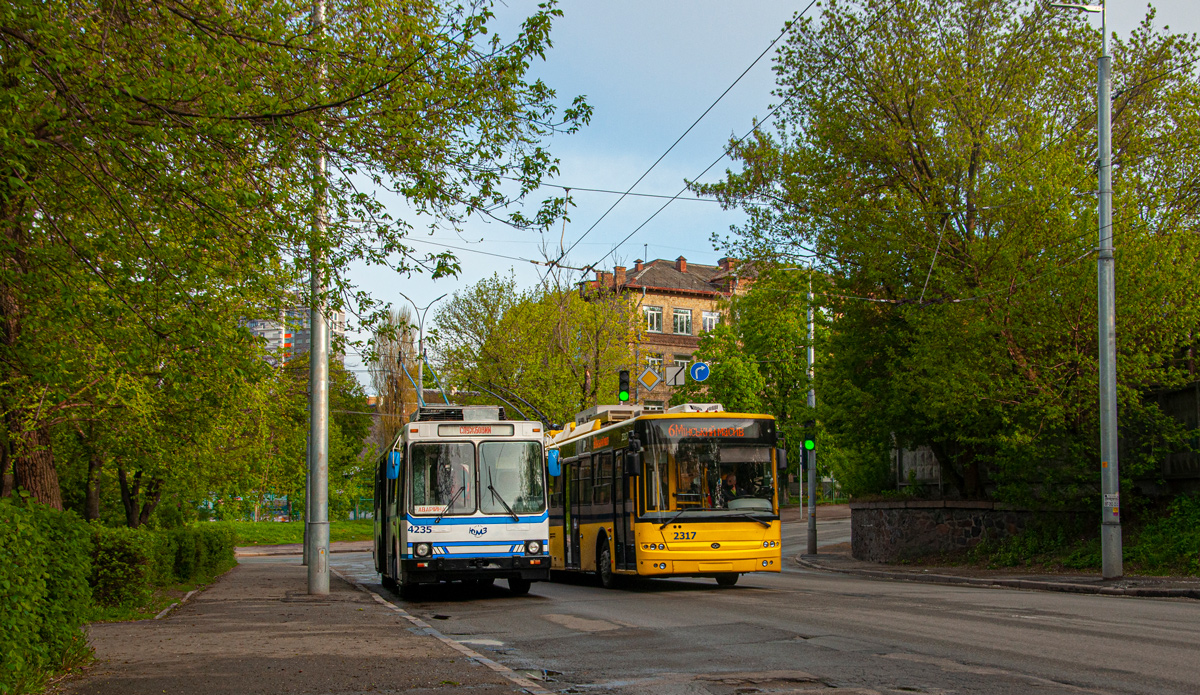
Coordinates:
column 657, row 468
column 602, row 492
column 510, row 474
column 585, row 480
column 443, row 474
column 556, row 490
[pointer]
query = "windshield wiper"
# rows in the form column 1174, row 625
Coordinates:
column 752, row 518
column 497, row 496
column 450, row 504
column 672, row 519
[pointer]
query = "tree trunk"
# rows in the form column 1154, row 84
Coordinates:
column 129, row 496
column 153, row 495
column 33, row 464
column 6, row 476
column 91, row 507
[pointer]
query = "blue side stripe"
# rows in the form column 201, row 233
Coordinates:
column 477, row 520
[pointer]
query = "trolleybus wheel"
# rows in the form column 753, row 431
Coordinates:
column 604, row 568
column 520, row 587
column 388, row 583
column 727, row 579
column 408, row 592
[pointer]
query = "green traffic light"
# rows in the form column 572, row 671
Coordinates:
column 810, row 444
column 623, row 396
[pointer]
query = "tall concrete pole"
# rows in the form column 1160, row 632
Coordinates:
column 318, row 379
column 812, row 455
column 1110, row 480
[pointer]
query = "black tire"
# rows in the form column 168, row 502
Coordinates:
column 727, row 579
column 608, row 578
column 409, row 592
column 388, row 583
column 519, row 587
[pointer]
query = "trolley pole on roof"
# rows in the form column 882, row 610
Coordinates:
column 812, row 403
column 317, row 523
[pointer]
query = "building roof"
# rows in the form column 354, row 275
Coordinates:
column 677, row 276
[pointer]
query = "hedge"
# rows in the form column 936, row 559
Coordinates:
column 44, row 592
column 59, row 570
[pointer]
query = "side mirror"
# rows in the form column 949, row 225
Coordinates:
column 781, row 459
column 393, row 465
column 633, row 464
column 553, row 464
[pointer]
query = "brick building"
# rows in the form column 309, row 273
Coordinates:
column 676, row 301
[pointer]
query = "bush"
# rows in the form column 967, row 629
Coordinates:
column 44, row 595
column 1170, row 543
column 123, row 567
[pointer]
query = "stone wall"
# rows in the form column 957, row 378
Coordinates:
column 897, row 531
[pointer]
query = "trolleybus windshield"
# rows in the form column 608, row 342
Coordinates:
column 710, row 465
column 443, row 478
column 510, row 473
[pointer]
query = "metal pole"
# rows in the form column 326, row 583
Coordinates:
column 318, row 379
column 811, row 455
column 1110, row 481
column 421, row 311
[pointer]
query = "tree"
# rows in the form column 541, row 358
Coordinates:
column 552, row 346
column 157, row 172
column 935, row 159
column 393, row 368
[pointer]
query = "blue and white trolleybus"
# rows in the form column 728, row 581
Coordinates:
column 461, row 497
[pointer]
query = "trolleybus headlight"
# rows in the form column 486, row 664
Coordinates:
column 766, row 544
column 533, row 547
column 422, row 549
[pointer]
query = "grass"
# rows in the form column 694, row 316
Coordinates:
column 283, row 532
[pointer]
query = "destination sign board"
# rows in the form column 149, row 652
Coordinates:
column 464, row 430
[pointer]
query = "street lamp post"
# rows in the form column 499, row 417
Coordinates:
column 1110, row 481
column 421, row 311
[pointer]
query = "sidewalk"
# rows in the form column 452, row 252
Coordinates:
column 298, row 548
column 256, row 630
column 836, row 558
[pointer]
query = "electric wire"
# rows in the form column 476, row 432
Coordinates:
column 787, row 27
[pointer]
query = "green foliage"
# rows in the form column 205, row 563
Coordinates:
column 1166, row 542
column 550, row 345
column 44, row 595
column 1169, row 543
column 935, row 160
column 129, row 564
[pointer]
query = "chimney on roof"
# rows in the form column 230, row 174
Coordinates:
column 619, row 275
column 637, row 266
column 727, row 264
column 681, row 264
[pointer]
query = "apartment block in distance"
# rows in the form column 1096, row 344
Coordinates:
column 676, row 302
column 290, row 334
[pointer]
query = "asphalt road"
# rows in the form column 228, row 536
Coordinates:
column 803, row 631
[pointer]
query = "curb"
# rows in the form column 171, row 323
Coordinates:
column 525, row 684
column 1000, row 583
column 163, row 613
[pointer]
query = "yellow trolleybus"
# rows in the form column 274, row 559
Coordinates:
column 690, row 492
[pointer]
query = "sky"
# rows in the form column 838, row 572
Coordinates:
column 649, row 69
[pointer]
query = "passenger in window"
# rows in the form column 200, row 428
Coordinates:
column 729, row 488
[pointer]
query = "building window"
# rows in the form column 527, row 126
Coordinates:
column 710, row 320
column 682, row 360
column 654, row 316
column 654, row 361
column 683, row 321
column 652, row 406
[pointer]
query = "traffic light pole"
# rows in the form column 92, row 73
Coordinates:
column 811, row 455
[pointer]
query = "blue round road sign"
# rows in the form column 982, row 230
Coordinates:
column 699, row 371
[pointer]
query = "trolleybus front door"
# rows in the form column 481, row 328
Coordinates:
column 622, row 508
column 571, row 530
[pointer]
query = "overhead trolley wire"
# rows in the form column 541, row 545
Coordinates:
column 786, row 28
column 724, row 153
